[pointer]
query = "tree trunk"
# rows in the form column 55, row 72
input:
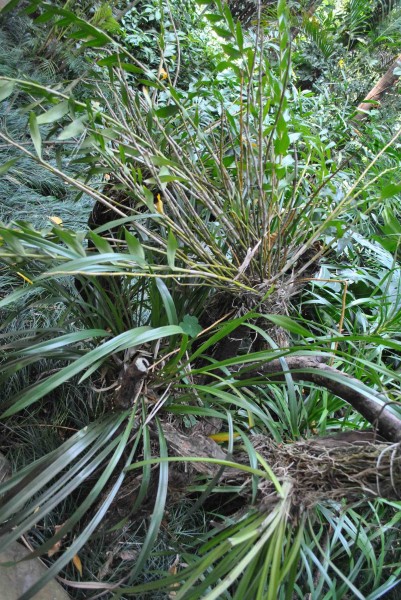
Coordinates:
column 383, row 85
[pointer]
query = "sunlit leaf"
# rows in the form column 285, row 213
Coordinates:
column 53, row 114
column 56, row 220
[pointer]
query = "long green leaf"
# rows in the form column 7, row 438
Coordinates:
column 129, row 339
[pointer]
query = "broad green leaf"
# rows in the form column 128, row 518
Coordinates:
column 74, row 129
column 44, row 18
column 190, row 325
column 13, row 242
column 392, row 222
column 222, row 32
column 72, row 239
column 239, row 36
column 213, row 17
column 100, row 243
column 390, row 190
column 61, row 342
column 149, row 83
column 53, row 114
column 4, row 8
column 135, row 249
column 223, row 65
column 35, row 134
column 6, row 89
column 231, row 51
column 90, row 36
column 166, row 178
column 163, row 161
column 167, row 111
column 229, row 18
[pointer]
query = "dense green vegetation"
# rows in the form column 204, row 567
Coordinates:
column 201, row 282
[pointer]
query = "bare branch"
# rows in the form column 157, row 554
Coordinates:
column 372, row 405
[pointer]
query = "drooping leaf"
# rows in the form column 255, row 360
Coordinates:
column 35, row 134
column 53, row 114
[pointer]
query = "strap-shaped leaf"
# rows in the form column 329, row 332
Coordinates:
column 35, row 134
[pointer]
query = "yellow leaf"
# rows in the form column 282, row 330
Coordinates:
column 222, row 437
column 77, row 564
column 163, row 74
column 25, row 278
column 159, row 204
column 56, row 220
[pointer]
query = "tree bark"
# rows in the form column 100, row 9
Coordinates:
column 382, row 86
column 351, row 465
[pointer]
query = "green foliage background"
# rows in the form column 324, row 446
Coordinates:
column 280, row 225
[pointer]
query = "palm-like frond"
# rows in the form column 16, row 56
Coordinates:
column 357, row 18
column 315, row 31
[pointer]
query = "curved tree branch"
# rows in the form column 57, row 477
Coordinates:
column 372, row 405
